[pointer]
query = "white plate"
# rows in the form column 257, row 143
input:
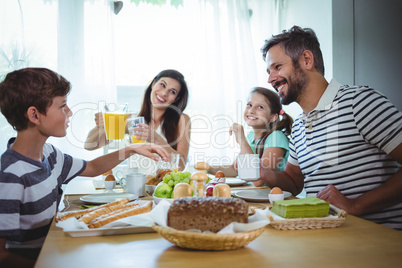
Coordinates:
column 257, row 195
column 107, row 197
column 235, row 182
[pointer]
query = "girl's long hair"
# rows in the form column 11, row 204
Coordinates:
column 284, row 124
column 172, row 114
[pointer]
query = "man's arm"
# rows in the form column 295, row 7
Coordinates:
column 386, row 195
column 291, row 179
column 228, row 170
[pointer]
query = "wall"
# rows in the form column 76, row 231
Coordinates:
column 314, row 14
column 270, row 17
column 367, row 45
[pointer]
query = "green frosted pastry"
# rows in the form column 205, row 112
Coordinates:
column 301, row 208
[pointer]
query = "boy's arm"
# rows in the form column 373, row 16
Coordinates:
column 9, row 259
column 106, row 162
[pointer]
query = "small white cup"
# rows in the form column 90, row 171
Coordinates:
column 248, row 166
column 121, row 171
column 134, row 183
column 275, row 197
column 109, row 185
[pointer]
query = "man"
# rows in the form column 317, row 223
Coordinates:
column 346, row 146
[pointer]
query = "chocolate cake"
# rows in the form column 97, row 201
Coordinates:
column 206, row 213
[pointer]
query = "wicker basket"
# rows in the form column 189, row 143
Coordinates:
column 312, row 223
column 207, row 241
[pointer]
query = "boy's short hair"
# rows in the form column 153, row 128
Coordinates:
column 28, row 87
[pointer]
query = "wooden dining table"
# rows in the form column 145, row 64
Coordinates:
column 356, row 243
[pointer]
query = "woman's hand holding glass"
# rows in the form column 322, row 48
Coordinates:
column 132, row 125
column 144, row 132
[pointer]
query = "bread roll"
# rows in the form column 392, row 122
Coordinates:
column 182, row 190
column 161, row 173
column 151, row 180
column 206, row 213
column 201, row 166
column 221, row 190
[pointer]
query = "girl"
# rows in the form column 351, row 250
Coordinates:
column 268, row 137
column 163, row 104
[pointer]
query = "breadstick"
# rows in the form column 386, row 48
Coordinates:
column 76, row 213
column 99, row 222
column 116, row 210
column 79, row 213
column 87, row 218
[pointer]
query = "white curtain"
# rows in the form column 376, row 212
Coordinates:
column 215, row 44
column 85, row 57
column 73, row 38
column 225, row 70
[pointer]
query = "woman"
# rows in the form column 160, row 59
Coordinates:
column 163, row 104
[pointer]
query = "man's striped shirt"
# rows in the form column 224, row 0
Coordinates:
column 346, row 141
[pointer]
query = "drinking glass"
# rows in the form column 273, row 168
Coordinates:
column 115, row 122
column 174, row 162
column 132, row 123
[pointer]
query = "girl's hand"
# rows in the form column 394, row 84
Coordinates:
column 238, row 130
column 258, row 183
column 149, row 150
column 99, row 120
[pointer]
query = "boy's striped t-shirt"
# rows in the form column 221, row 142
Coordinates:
column 346, row 142
column 30, row 192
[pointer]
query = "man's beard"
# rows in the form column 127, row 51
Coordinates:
column 296, row 85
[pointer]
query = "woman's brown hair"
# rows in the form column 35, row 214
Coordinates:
column 173, row 112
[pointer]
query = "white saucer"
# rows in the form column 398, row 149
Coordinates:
column 235, row 181
column 257, row 195
column 106, row 197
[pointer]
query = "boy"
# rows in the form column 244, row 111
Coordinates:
column 33, row 100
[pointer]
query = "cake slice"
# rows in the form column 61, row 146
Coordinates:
column 301, row 208
column 206, row 213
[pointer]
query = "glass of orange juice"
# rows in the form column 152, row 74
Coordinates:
column 174, row 161
column 131, row 124
column 115, row 123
